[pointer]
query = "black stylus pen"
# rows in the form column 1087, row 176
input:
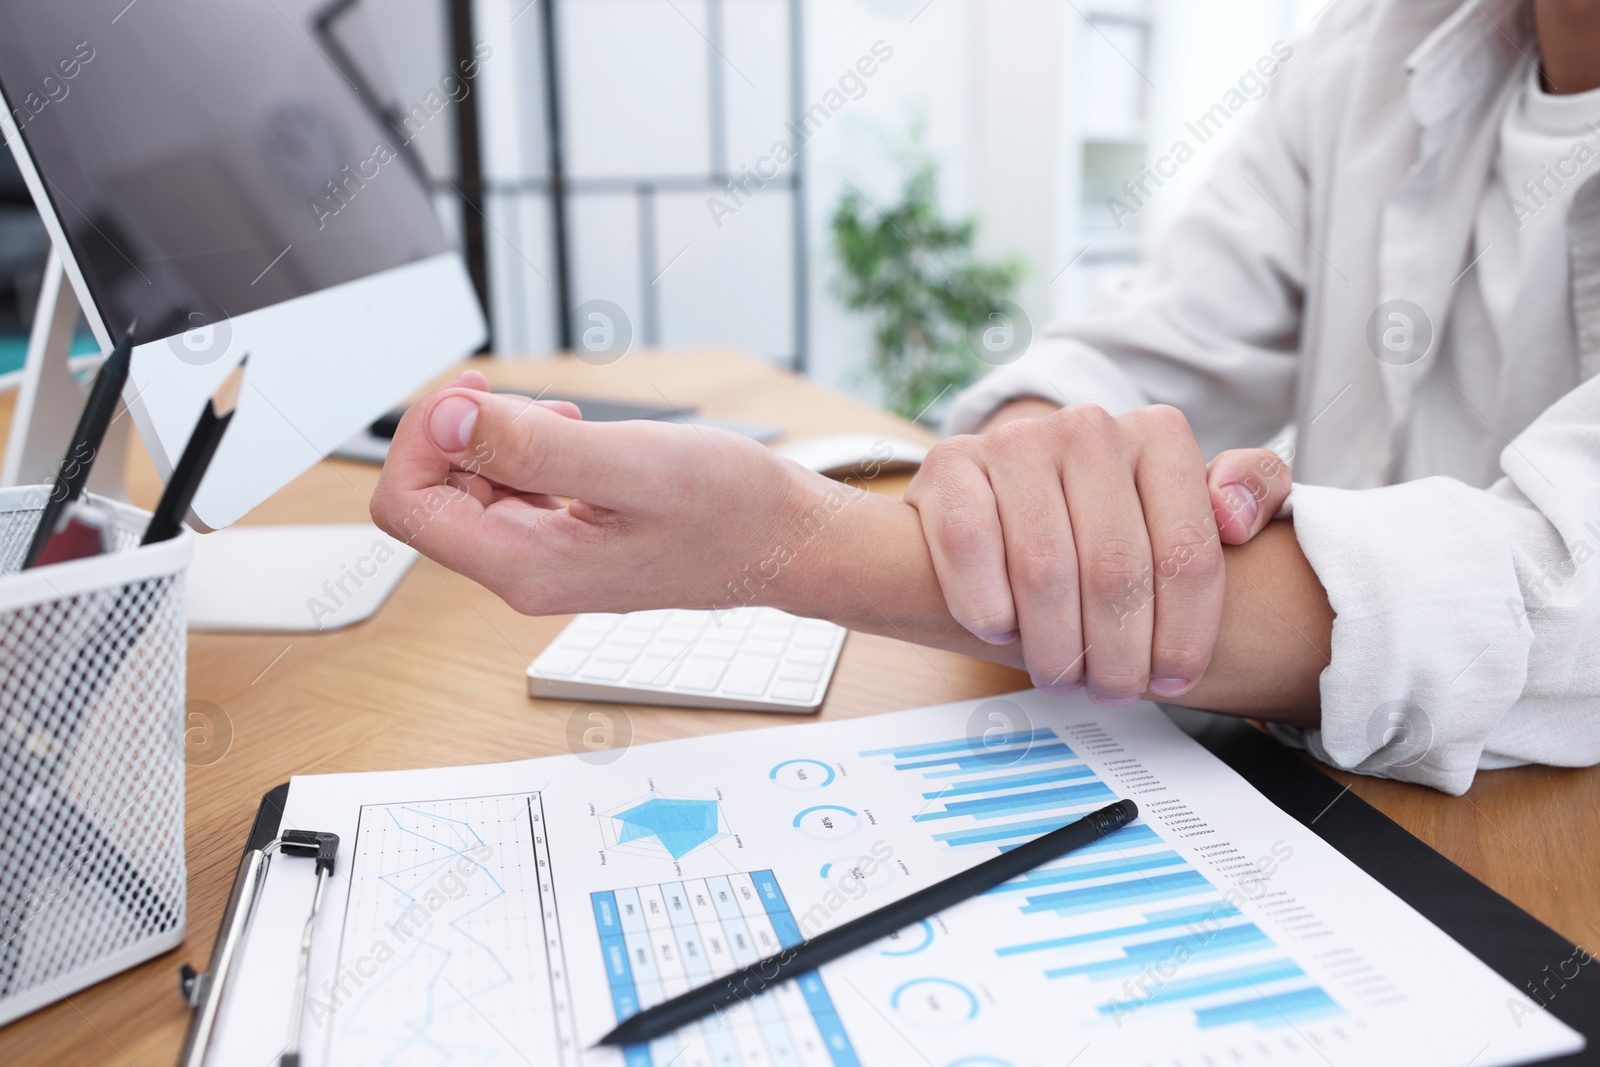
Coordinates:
column 761, row 976
column 73, row 473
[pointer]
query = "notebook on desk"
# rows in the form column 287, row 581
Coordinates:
column 515, row 912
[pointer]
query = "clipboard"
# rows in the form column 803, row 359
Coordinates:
column 1512, row 943
column 1509, row 941
column 206, row 991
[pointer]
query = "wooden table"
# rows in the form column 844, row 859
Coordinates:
column 446, row 650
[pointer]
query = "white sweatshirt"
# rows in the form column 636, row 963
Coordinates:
column 1448, row 493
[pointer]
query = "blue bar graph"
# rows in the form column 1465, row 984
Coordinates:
column 965, row 744
column 1010, row 781
column 1136, row 836
column 1119, row 894
column 1247, row 977
column 978, row 759
column 1204, row 945
column 1080, row 872
column 1279, row 1009
column 1007, row 832
column 1061, row 796
column 1156, row 920
column 1185, row 956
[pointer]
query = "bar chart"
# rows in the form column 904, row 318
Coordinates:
column 661, row 940
column 1129, row 924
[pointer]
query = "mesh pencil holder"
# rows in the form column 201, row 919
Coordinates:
column 92, row 657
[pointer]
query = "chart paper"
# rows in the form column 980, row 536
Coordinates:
column 514, row 913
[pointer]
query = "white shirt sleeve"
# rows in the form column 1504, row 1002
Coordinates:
column 1468, row 619
column 1211, row 323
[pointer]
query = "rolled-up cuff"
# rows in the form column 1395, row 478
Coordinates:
column 1061, row 371
column 1427, row 654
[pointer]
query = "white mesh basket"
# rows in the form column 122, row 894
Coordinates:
column 92, row 656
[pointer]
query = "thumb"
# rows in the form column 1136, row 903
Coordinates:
column 1248, row 486
column 530, row 447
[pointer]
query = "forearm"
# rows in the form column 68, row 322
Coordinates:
column 1024, row 407
column 870, row 570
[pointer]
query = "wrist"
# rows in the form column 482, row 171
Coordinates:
column 1022, row 407
column 860, row 560
column 779, row 563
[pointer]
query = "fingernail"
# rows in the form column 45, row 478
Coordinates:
column 451, row 422
column 1241, row 503
column 1112, row 702
column 1169, row 687
column 1002, row 639
column 1058, row 688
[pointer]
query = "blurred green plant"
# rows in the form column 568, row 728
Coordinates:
column 916, row 273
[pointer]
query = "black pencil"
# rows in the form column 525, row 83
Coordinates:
column 73, row 473
column 761, row 976
column 167, row 519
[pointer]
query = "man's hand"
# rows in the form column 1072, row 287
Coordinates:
column 1096, row 539
column 662, row 516
column 676, row 516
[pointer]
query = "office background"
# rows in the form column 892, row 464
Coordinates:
column 1034, row 113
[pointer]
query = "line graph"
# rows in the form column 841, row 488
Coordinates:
column 450, row 921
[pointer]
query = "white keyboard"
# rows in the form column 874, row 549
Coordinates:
column 749, row 659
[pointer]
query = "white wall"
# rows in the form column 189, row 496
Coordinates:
column 1000, row 87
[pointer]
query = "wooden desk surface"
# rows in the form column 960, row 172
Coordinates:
column 445, row 650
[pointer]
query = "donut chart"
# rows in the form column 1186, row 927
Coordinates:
column 828, row 822
column 802, row 775
column 935, row 1003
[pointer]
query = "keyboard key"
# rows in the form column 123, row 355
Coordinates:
column 816, row 635
column 605, row 670
column 571, row 641
column 684, row 616
column 561, row 662
column 653, row 670
column 690, row 620
column 758, row 647
column 807, row 655
column 701, row 675
column 716, row 649
column 800, row 672
column 749, row 675
column 799, row 692
column 772, row 631
column 651, row 618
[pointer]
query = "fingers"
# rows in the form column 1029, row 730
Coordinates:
column 565, row 408
column 457, row 504
column 1041, row 564
column 1101, row 529
column 1188, row 584
column 421, row 496
column 528, row 447
column 471, row 378
column 1113, row 549
column 961, row 524
column 1247, row 487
